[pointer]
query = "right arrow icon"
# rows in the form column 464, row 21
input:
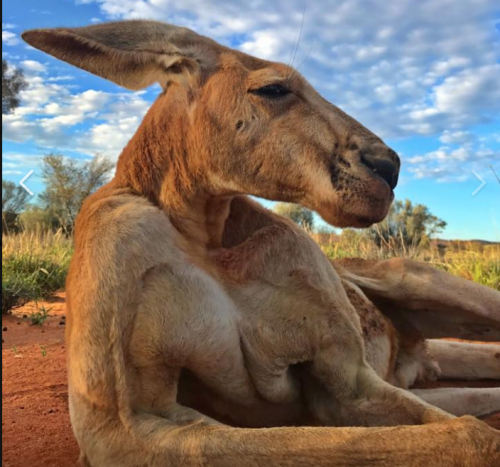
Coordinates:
column 483, row 182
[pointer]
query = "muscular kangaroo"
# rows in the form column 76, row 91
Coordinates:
column 170, row 296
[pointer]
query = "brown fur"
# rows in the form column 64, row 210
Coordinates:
column 184, row 294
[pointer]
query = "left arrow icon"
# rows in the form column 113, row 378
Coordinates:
column 28, row 175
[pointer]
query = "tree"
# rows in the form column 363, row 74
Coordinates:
column 298, row 214
column 411, row 224
column 35, row 219
column 68, row 182
column 14, row 199
column 13, row 83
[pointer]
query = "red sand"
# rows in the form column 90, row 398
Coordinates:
column 35, row 420
column 36, row 430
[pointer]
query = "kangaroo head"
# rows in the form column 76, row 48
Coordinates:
column 228, row 123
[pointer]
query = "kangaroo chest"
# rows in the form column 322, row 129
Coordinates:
column 220, row 339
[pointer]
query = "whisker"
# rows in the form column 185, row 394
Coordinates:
column 296, row 47
column 300, row 35
column 307, row 57
column 293, row 48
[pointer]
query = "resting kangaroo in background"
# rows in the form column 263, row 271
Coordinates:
column 199, row 320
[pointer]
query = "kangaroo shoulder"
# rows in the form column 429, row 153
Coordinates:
column 122, row 235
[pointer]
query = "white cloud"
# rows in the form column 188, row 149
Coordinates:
column 10, row 57
column 264, row 44
column 55, row 79
column 38, row 93
column 446, row 164
column 470, row 97
column 17, row 129
column 49, row 111
column 32, row 66
column 19, row 163
column 473, row 90
column 50, row 116
column 121, row 121
column 41, row 12
column 456, row 137
column 402, row 68
column 8, row 26
column 9, row 38
column 20, row 159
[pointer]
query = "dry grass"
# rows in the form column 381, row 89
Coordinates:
column 471, row 260
column 34, row 265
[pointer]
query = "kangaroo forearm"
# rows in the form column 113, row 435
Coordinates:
column 460, row 442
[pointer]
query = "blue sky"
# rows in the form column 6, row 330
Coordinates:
column 423, row 75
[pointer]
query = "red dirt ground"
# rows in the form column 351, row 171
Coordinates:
column 36, row 430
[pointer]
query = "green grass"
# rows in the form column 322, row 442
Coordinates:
column 41, row 315
column 474, row 266
column 34, row 265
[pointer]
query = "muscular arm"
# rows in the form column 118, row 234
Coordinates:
column 434, row 302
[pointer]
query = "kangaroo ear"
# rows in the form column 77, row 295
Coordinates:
column 132, row 54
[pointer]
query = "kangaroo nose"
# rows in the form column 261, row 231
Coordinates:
column 384, row 168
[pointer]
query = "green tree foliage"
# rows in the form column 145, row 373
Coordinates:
column 68, row 182
column 13, row 83
column 413, row 225
column 298, row 214
column 14, row 199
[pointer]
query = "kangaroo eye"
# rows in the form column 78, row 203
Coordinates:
column 272, row 91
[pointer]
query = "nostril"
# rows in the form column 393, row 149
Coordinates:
column 384, row 168
column 394, row 156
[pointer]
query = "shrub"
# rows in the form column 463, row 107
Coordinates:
column 33, row 267
column 298, row 214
